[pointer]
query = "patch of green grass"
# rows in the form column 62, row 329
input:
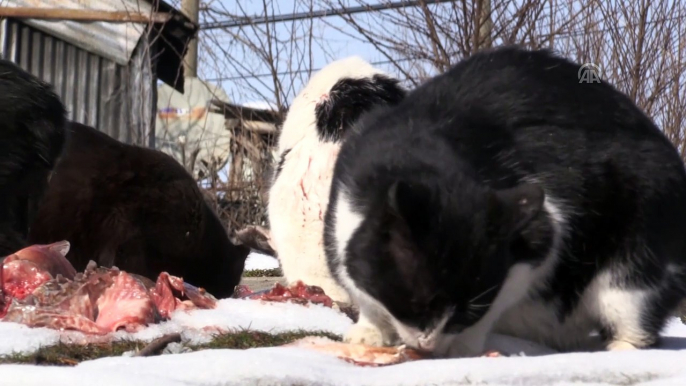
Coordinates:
column 274, row 272
column 253, row 339
column 71, row 355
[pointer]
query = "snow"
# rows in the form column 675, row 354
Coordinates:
column 260, row 261
column 263, row 105
column 237, row 314
column 20, row 338
column 288, row 365
column 298, row 366
column 196, row 326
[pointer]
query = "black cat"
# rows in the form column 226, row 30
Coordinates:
column 135, row 208
column 507, row 196
column 32, row 137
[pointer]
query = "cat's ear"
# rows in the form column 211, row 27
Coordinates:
column 514, row 208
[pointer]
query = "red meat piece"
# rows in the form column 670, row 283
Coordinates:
column 40, row 288
column 297, row 293
column 126, row 304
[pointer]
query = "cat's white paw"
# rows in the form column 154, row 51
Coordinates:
column 620, row 345
column 364, row 334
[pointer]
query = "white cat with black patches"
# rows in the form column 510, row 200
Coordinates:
column 504, row 196
column 315, row 127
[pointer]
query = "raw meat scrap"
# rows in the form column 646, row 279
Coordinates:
column 297, row 293
column 64, row 304
column 31, row 267
column 359, row 354
column 125, row 304
column 50, row 257
column 242, row 291
column 40, row 288
column 169, row 290
column 21, row 277
column 98, row 301
column 364, row 355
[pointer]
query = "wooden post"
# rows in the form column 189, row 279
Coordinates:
column 86, row 15
column 191, row 8
column 485, row 25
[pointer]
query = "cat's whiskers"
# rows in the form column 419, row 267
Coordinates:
column 472, row 314
column 483, row 293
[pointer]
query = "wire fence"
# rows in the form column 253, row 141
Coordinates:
column 265, row 51
column 639, row 46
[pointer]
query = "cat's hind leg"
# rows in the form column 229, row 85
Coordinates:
column 625, row 314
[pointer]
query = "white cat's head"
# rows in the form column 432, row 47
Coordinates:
column 335, row 97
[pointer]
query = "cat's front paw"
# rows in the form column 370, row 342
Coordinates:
column 619, row 345
column 364, row 334
column 459, row 346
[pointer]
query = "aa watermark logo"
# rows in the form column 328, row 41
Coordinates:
column 589, row 73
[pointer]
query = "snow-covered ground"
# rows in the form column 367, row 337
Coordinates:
column 288, row 366
column 258, row 260
column 196, row 326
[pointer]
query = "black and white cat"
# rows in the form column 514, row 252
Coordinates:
column 506, row 196
column 316, row 125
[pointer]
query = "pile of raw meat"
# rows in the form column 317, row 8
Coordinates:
column 298, row 293
column 360, row 354
column 40, row 288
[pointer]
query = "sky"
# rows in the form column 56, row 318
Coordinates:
column 216, row 45
column 242, row 86
column 339, row 43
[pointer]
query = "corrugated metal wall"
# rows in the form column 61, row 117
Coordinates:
column 117, row 100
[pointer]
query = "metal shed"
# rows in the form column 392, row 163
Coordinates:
column 106, row 73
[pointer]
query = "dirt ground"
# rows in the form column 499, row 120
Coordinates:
column 262, row 283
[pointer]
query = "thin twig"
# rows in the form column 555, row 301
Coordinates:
column 156, row 346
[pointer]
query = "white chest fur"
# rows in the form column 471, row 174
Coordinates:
column 297, row 204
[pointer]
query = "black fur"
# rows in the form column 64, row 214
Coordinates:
column 469, row 157
column 32, row 135
column 349, row 98
column 279, row 166
column 137, row 209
